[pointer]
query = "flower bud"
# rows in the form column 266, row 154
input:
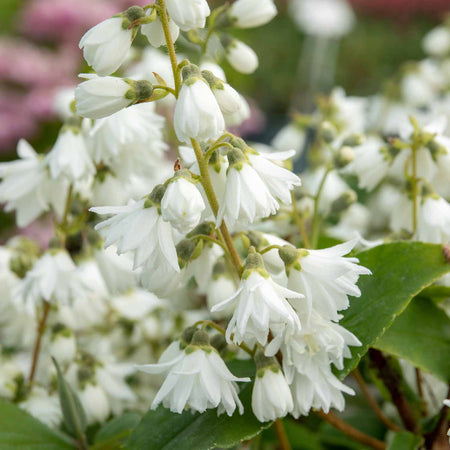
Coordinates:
column 188, row 14
column 241, row 57
column 95, row 403
column 155, row 34
column 354, row 140
column 343, row 202
column 227, row 98
column 328, row 132
column 251, row 13
column 344, row 156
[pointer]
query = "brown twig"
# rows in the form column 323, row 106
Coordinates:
column 392, row 381
column 419, row 381
column 372, row 402
column 37, row 343
column 437, row 439
column 281, row 434
column 350, row 431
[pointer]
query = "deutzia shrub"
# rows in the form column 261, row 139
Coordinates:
column 246, row 288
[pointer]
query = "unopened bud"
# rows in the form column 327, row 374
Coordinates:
column 344, row 156
column 328, row 132
column 353, row 140
column 343, row 202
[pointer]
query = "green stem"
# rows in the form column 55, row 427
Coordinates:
column 215, row 147
column 205, row 237
column 315, row 221
column 414, row 185
column 170, row 46
column 299, row 222
column 270, row 247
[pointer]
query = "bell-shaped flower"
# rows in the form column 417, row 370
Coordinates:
column 102, row 96
column 196, row 377
column 261, row 306
column 241, row 57
column 182, row 204
column 271, row 396
column 227, row 98
column 154, row 32
column 139, row 228
column 197, row 114
column 188, row 14
column 433, row 222
column 251, row 13
column 324, row 276
column 106, row 46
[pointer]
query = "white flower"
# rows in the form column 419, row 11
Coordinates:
column 240, row 115
column 10, row 374
column 278, row 180
column 220, row 288
column 290, row 137
column 241, row 57
column 214, row 68
column 324, row 276
column 162, row 279
column 69, row 157
column 63, row 346
column 197, row 114
column 271, row 396
column 416, row 90
column 155, row 34
column 27, row 188
column 261, row 306
column 102, row 96
column 433, row 222
column 106, row 46
column 43, row 406
column 62, row 102
column 182, row 204
column 95, row 403
column 437, row 41
column 140, row 229
column 188, row 14
column 371, row 163
column 313, row 385
column 246, row 197
column 252, row 13
column 135, row 304
column 228, row 99
column 53, row 278
column 328, row 18
column 196, row 377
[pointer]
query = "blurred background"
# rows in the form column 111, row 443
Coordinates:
column 309, row 47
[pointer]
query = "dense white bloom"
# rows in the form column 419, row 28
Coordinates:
column 328, row 18
column 106, row 46
column 437, row 41
column 371, row 163
column 155, row 34
column 196, row 377
column 252, row 13
column 197, row 114
column 141, row 230
column 182, row 204
column 433, row 222
column 324, row 276
column 241, row 57
column 53, row 278
column 271, row 396
column 43, row 406
column 246, row 197
column 102, row 96
column 188, row 14
column 261, row 305
column 95, row 403
column 278, row 180
column 27, row 188
column 69, row 157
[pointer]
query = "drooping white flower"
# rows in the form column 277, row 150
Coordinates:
column 220, row 287
column 251, row 13
column 261, row 306
column 27, row 188
column 197, row 114
column 139, row 228
column 63, row 345
column 243, row 113
column 227, row 98
column 102, row 96
column 188, row 14
column 371, row 164
column 43, row 406
column 271, row 396
column 53, row 278
column 324, row 276
column 241, row 57
column 433, row 222
column 69, row 157
column 290, row 137
column 437, row 41
column 213, row 67
column 182, row 204
column 196, row 377
column 155, row 34
column 106, row 46
column 135, row 303
column 246, row 197
column 95, row 403
column 278, row 180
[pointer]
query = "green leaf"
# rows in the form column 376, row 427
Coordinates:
column 117, row 430
column 19, row 430
column 161, row 429
column 421, row 335
column 405, row 441
column 400, row 271
column 436, row 292
column 73, row 412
